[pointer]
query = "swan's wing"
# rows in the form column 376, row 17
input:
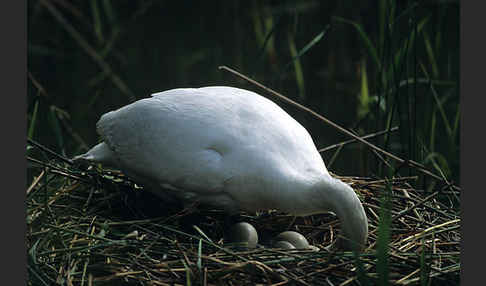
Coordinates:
column 212, row 140
column 154, row 140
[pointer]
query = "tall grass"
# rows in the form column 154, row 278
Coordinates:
column 406, row 77
column 89, row 58
column 407, row 85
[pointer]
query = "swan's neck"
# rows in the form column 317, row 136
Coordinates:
column 338, row 197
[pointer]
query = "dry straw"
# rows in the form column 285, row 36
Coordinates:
column 96, row 227
column 107, row 229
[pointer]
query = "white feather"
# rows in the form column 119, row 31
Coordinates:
column 223, row 146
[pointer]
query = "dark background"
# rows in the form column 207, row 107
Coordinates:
column 86, row 58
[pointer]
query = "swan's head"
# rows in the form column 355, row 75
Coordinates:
column 338, row 197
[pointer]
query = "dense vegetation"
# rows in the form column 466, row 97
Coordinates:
column 369, row 66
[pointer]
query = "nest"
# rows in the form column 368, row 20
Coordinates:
column 96, row 227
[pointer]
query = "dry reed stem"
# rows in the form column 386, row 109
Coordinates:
column 409, row 163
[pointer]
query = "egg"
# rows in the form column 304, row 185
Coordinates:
column 244, row 233
column 283, row 244
column 294, row 238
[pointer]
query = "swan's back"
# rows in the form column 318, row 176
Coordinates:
column 213, row 141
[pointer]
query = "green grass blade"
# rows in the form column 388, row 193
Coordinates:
column 188, row 273
column 33, row 252
column 334, row 156
column 312, row 42
column 364, row 99
column 381, row 23
column 439, row 162
column 408, row 43
column 110, row 13
column 439, row 104
column 456, row 122
column 37, row 275
column 424, row 271
column 295, row 55
column 360, row 271
column 299, row 75
column 406, row 12
column 33, row 120
column 202, row 233
column 257, row 22
column 84, row 44
column 56, row 128
column 391, row 13
column 98, row 30
column 268, row 42
column 433, row 124
column 369, row 45
column 430, row 54
column 384, row 227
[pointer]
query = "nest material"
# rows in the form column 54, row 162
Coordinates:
column 99, row 228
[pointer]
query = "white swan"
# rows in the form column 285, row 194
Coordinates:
column 227, row 147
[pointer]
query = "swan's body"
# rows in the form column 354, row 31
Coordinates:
column 227, row 147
